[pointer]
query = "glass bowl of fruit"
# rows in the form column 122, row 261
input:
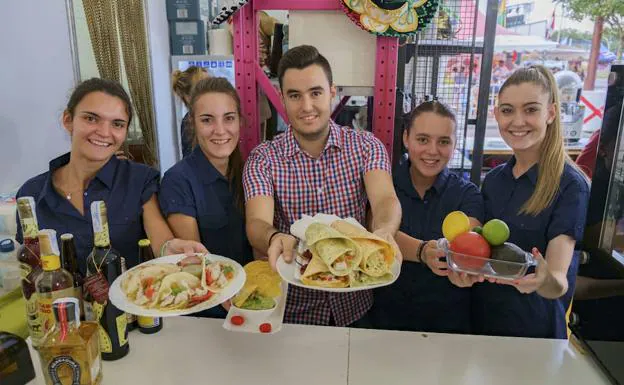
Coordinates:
column 506, row 261
column 483, row 251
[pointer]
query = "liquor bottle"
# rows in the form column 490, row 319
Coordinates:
column 103, row 267
column 133, row 322
column 70, row 353
column 69, row 262
column 16, row 367
column 30, row 264
column 148, row 325
column 54, row 282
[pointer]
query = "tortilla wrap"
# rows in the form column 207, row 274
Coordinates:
column 333, row 248
column 377, row 254
column 182, row 280
column 132, row 285
column 315, row 269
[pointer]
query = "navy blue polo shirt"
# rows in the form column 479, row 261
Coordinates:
column 420, row 300
column 501, row 309
column 194, row 187
column 122, row 184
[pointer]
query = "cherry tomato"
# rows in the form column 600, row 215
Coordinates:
column 265, row 328
column 237, row 320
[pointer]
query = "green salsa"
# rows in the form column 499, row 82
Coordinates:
column 258, row 302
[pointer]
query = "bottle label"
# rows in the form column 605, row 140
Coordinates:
column 148, row 322
column 100, row 224
column 25, row 270
column 97, row 285
column 44, row 306
column 106, row 346
column 64, row 361
column 122, row 332
column 34, row 320
column 28, row 216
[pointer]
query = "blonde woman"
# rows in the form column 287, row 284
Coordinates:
column 542, row 195
column 182, row 83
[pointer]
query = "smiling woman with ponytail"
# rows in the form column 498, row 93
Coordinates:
column 542, row 196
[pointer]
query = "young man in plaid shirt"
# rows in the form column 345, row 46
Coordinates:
column 315, row 167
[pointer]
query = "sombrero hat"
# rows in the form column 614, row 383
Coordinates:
column 391, row 17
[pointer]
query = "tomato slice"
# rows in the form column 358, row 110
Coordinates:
column 208, row 277
column 149, row 292
column 201, row 298
column 147, row 282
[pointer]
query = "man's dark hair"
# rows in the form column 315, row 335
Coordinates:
column 302, row 57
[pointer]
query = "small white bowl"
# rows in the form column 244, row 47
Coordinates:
column 255, row 316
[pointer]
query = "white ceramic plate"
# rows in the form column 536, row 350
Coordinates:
column 253, row 319
column 118, row 298
column 290, row 273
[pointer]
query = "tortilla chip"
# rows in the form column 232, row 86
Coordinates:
column 267, row 281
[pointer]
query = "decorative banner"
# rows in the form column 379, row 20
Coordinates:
column 229, row 8
column 391, row 17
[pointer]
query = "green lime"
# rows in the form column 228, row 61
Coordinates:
column 478, row 229
column 496, row 232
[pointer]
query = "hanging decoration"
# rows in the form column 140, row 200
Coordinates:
column 229, row 8
column 394, row 18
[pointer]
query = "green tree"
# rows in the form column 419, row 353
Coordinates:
column 611, row 10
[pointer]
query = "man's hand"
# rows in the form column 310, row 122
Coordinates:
column 281, row 244
column 383, row 234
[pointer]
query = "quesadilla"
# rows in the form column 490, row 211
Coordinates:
column 377, row 255
column 317, row 273
column 340, row 254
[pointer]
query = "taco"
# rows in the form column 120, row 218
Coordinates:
column 338, row 252
column 176, row 290
column 143, row 280
column 216, row 275
column 317, row 273
column 377, row 254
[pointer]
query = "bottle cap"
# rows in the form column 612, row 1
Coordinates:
column 66, row 309
column 7, row 245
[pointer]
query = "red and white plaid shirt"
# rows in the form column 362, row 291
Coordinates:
column 331, row 184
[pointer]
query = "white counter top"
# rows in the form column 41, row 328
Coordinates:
column 199, row 351
column 409, row 358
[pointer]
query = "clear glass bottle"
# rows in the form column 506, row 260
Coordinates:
column 30, row 264
column 70, row 352
column 54, row 282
